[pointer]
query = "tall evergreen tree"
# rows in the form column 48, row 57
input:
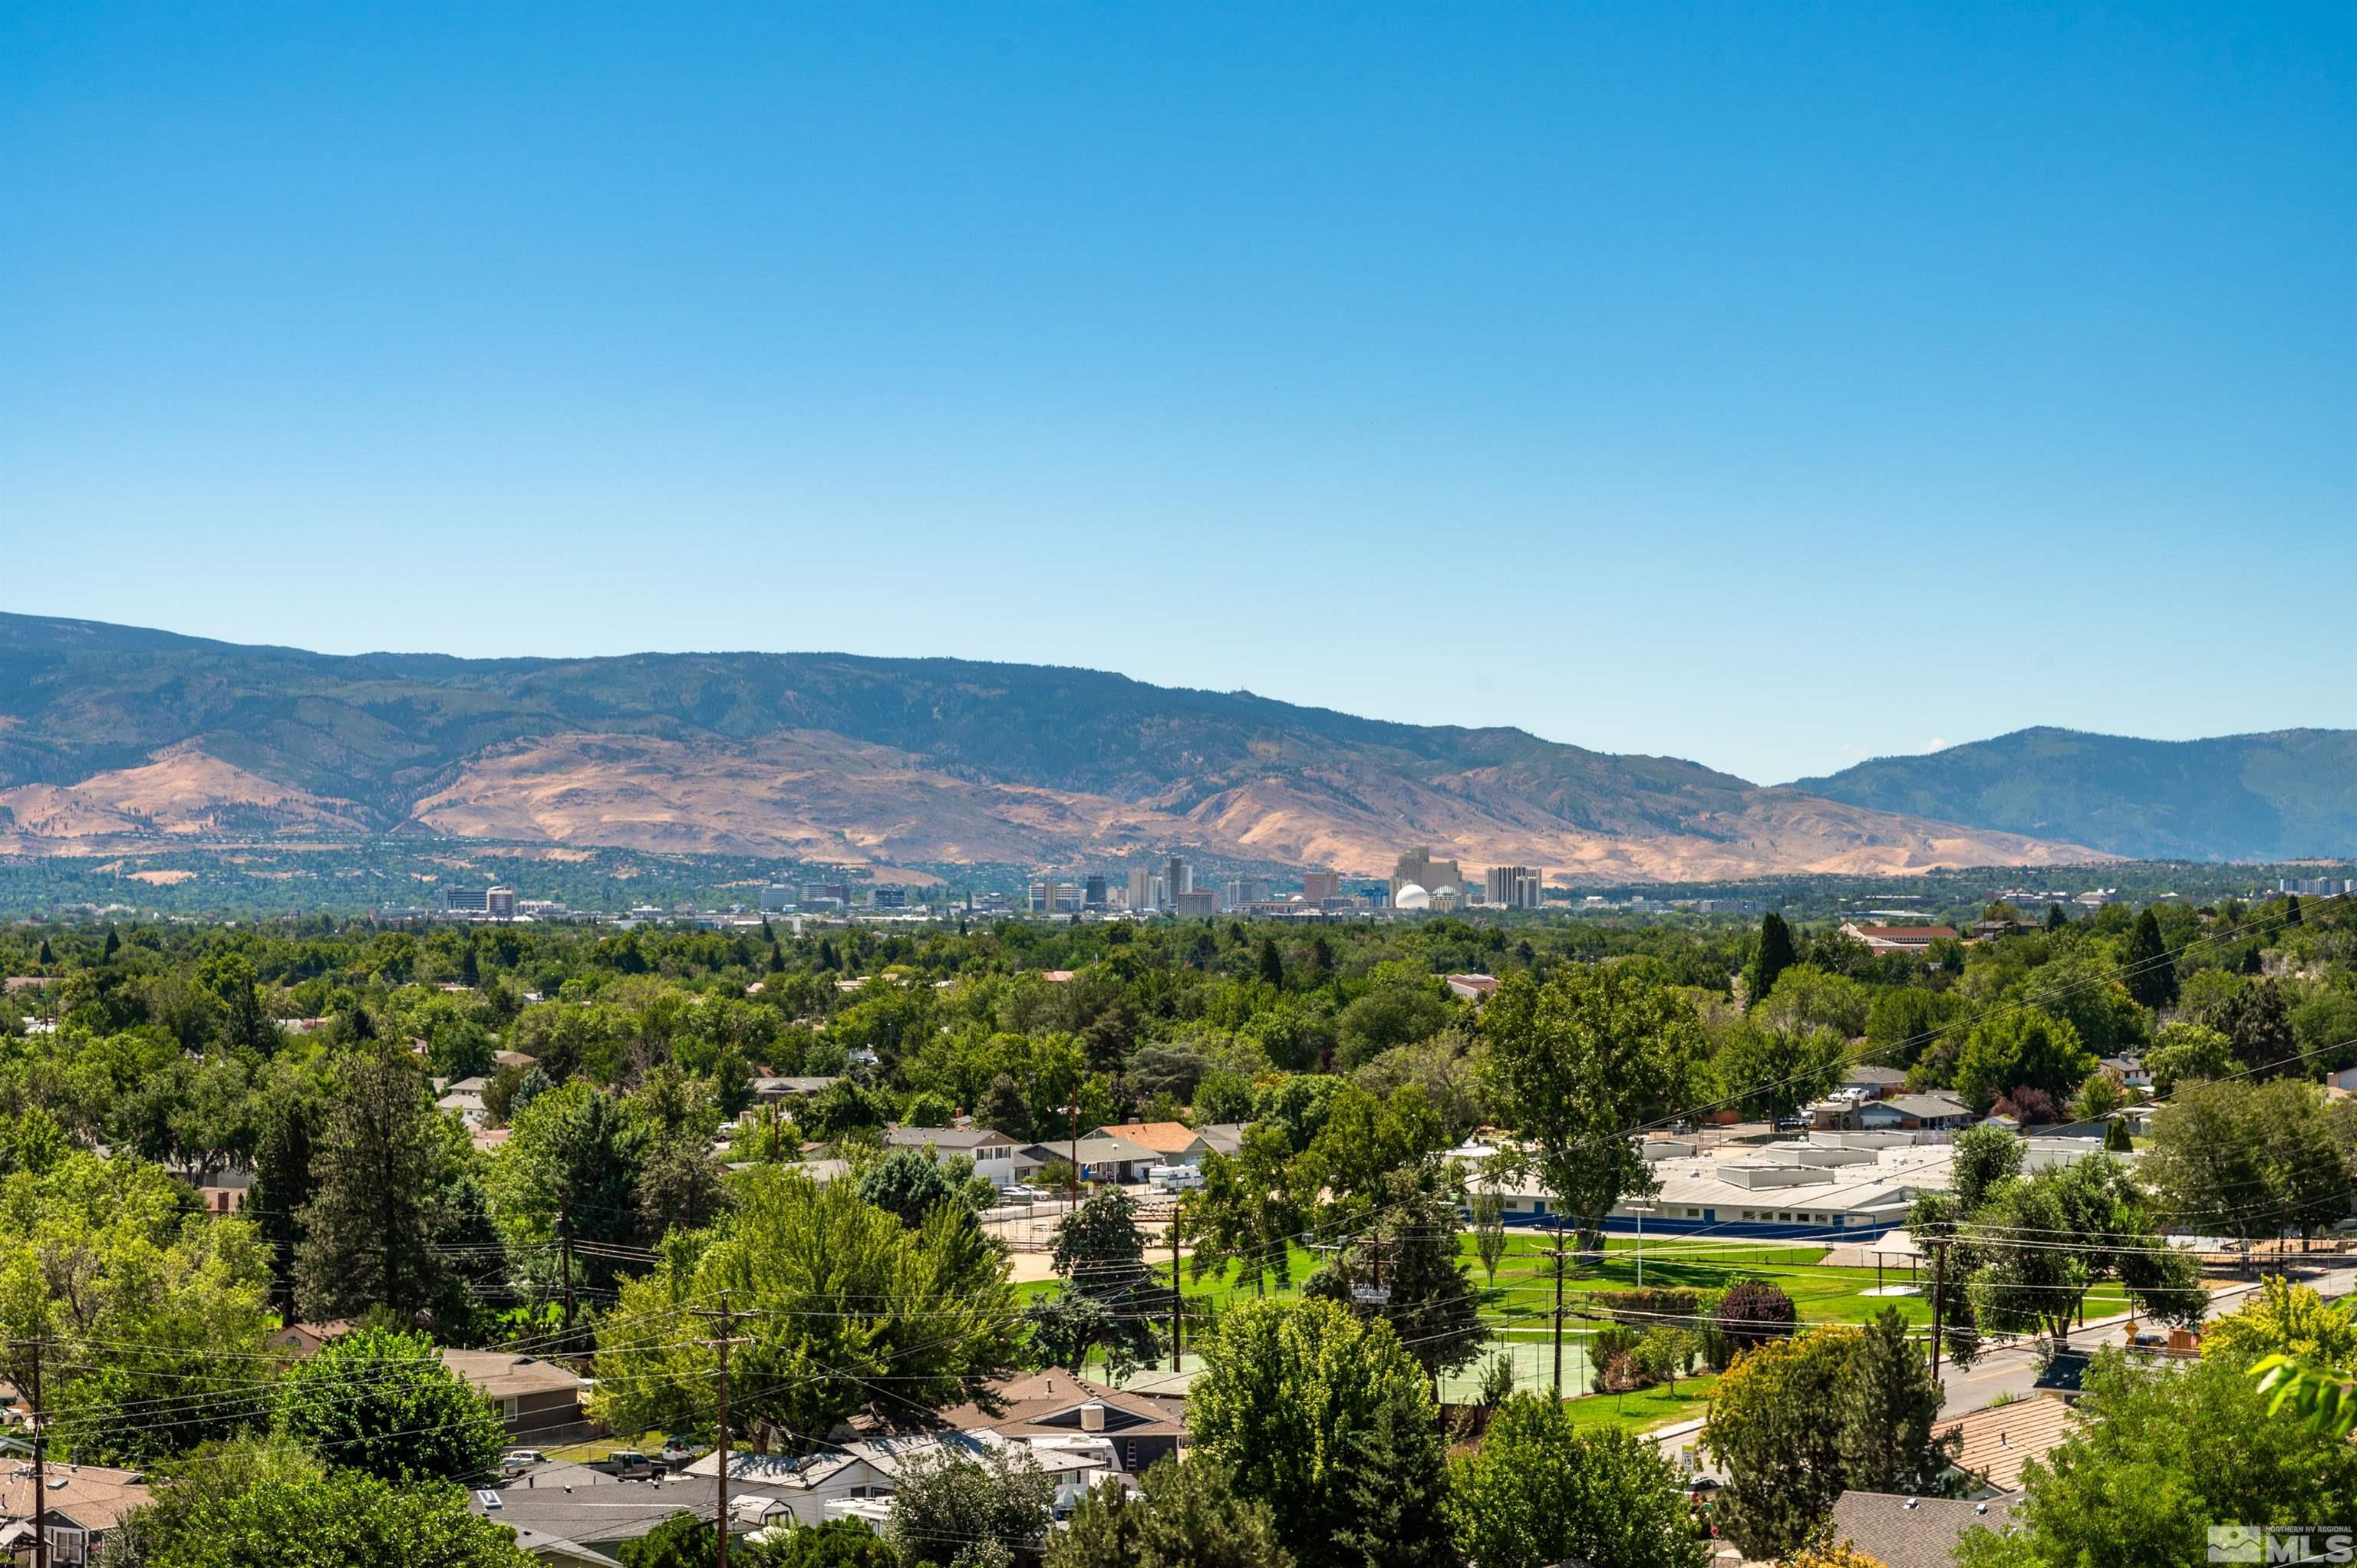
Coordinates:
column 1888, row 1406
column 1272, row 963
column 2148, row 968
column 367, row 1231
column 1775, row 955
column 113, row 945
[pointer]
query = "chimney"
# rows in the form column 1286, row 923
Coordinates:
column 1092, row 1416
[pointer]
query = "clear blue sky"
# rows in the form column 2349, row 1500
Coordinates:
column 1771, row 385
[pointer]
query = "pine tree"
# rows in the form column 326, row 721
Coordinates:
column 2150, row 971
column 367, row 1231
column 113, row 945
column 1775, row 956
column 1272, row 963
column 470, row 968
column 1886, row 1405
column 48, row 959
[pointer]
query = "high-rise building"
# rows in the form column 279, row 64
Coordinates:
column 1316, row 886
column 1242, row 892
column 1514, row 887
column 1177, row 878
column 837, row 894
column 776, row 898
column 498, row 903
column 1043, row 897
column 889, row 896
column 466, row 901
column 1093, row 893
column 1417, row 867
column 1145, row 890
column 1193, row 905
column 1068, row 897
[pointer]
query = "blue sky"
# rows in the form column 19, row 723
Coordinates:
column 1773, row 385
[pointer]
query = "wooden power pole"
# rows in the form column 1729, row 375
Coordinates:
column 728, row 1320
column 1558, row 1306
column 1939, row 1299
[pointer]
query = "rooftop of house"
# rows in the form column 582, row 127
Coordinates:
column 960, row 1139
column 594, row 1514
column 883, row 1454
column 1048, row 1403
column 1863, row 1074
column 499, row 1374
column 1162, row 1137
column 1224, row 1137
column 1938, row 1102
column 93, row 1496
column 1913, row 1533
column 1998, row 1442
column 1909, row 935
column 1095, row 1150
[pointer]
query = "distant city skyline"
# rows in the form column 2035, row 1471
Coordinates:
column 1770, row 388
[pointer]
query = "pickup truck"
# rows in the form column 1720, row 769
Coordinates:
column 630, row 1465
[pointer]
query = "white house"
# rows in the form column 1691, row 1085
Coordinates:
column 993, row 1153
column 812, row 1488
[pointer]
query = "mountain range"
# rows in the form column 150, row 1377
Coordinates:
column 113, row 738
column 2289, row 795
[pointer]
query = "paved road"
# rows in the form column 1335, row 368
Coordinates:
column 2013, row 1370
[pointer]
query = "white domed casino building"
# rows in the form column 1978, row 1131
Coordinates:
column 1411, row 895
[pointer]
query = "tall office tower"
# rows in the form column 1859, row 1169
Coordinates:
column 1043, row 897
column 1177, row 878
column 1092, row 893
column 1316, row 886
column 1513, row 887
column 1145, row 890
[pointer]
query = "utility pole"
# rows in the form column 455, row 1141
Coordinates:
column 1939, row 1299
column 565, row 1258
column 1074, row 1186
column 1178, row 1301
column 728, row 1320
column 1558, row 1306
column 40, row 1464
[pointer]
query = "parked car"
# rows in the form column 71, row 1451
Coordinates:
column 679, row 1449
column 1014, row 1195
column 631, row 1465
column 516, row 1461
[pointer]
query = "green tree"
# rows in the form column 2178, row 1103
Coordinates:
column 1489, row 1213
column 1539, row 1491
column 836, row 1544
column 1180, row 1516
column 1772, row 1072
column 1889, row 1404
column 1773, row 955
column 573, row 1159
column 2147, row 966
column 2020, row 1048
column 951, row 1506
column 152, row 1317
column 1576, row 1064
column 2186, row 1051
column 2248, row 1160
column 908, row 1183
column 1108, row 1295
column 2159, row 1455
column 686, row 1539
column 1272, row 964
column 854, row 1312
column 383, row 1402
column 338, row 1519
column 1251, row 1204
column 2035, row 1245
column 377, row 1171
column 1775, row 1423
column 1327, row 1419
